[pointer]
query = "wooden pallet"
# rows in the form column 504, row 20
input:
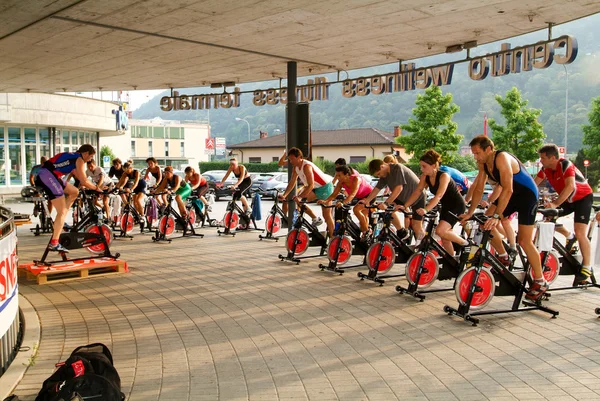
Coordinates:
column 72, row 270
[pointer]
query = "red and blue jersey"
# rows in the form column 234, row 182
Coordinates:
column 62, row 163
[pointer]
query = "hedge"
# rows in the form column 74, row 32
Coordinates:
column 325, row 165
column 252, row 167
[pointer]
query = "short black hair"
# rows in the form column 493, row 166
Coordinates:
column 89, row 149
column 295, row 152
column 375, row 165
column 482, row 141
column 341, row 161
column 550, row 150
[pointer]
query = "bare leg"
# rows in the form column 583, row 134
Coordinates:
column 417, row 226
column 181, row 206
column 444, row 230
column 245, row 203
column 584, row 243
column 62, row 206
column 563, row 230
column 361, row 214
column 533, row 257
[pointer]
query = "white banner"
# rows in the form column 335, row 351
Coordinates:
column 9, row 287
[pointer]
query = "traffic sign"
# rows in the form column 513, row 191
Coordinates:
column 209, row 143
column 586, row 163
column 561, row 151
column 105, row 161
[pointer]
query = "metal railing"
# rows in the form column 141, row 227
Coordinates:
column 11, row 340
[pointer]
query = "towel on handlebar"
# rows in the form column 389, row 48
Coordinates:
column 545, row 236
column 256, row 208
column 152, row 208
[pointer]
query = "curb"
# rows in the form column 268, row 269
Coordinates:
column 29, row 347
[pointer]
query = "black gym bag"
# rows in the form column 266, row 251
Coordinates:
column 87, row 374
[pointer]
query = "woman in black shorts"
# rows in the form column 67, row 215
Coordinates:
column 445, row 193
column 243, row 182
column 132, row 181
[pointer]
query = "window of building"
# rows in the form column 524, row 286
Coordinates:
column 150, row 149
column 2, row 160
column 74, row 143
column 14, row 156
column 82, row 138
column 158, row 132
column 254, row 160
column 65, row 141
column 44, row 139
column 30, row 150
column 174, row 132
column 275, row 159
column 132, row 148
column 320, row 158
column 166, row 148
column 358, row 159
column 181, row 149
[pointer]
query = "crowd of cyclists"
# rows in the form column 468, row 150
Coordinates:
column 515, row 193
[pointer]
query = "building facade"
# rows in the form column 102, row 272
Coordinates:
column 355, row 145
column 33, row 125
column 172, row 143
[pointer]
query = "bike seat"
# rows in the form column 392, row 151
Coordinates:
column 549, row 212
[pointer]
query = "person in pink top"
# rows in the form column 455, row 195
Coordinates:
column 356, row 189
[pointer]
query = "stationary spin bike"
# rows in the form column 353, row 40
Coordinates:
column 129, row 217
column 559, row 260
column 40, row 209
column 88, row 232
column 276, row 220
column 236, row 220
column 171, row 220
column 487, row 277
column 302, row 235
column 346, row 241
column 386, row 250
column 432, row 262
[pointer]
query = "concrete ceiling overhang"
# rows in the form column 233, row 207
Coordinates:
column 69, row 45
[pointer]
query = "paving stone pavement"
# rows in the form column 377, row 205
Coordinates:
column 221, row 318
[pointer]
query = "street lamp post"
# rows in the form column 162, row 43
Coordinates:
column 241, row 119
column 566, row 108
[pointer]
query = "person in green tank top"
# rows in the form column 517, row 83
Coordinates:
column 177, row 185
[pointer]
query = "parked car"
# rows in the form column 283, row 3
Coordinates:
column 259, row 178
column 213, row 177
column 276, row 181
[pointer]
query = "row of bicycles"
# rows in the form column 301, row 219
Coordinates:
column 474, row 273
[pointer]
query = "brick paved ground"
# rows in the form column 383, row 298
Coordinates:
column 222, row 318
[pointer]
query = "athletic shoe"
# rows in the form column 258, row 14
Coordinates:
column 570, row 243
column 66, row 227
column 317, row 221
column 57, row 248
column 505, row 260
column 366, row 236
column 536, row 291
column 209, row 208
column 582, row 277
column 403, row 234
column 512, row 254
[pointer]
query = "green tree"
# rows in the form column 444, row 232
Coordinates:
column 523, row 135
column 432, row 126
column 463, row 163
column 106, row 151
column 591, row 132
